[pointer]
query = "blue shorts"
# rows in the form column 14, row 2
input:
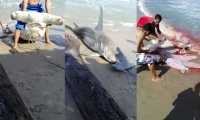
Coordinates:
column 37, row 8
column 145, row 59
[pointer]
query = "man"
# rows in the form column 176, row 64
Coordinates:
column 155, row 22
column 4, row 29
column 31, row 5
column 146, row 58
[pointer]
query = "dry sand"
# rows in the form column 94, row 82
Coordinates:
column 40, row 84
column 120, row 85
column 173, row 99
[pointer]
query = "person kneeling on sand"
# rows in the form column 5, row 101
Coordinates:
column 143, row 56
column 31, row 5
column 155, row 22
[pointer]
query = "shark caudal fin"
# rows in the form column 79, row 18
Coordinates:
column 123, row 64
column 100, row 22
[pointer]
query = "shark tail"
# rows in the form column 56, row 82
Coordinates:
column 72, row 42
column 123, row 64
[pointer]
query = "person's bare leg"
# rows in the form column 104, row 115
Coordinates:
column 153, row 73
column 142, row 44
column 16, row 39
column 2, row 25
column 47, row 36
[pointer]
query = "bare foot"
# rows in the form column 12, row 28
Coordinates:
column 49, row 42
column 157, row 79
column 13, row 50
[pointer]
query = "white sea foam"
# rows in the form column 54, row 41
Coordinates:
column 142, row 7
column 117, row 14
column 128, row 1
column 127, row 24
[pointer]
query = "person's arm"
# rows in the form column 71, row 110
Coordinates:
column 48, row 6
column 163, row 36
column 154, row 37
column 24, row 5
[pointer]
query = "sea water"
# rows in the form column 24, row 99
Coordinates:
column 118, row 15
column 181, row 17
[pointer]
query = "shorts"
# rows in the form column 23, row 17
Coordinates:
column 145, row 59
column 37, row 8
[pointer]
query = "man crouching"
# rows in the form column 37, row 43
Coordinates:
column 142, row 55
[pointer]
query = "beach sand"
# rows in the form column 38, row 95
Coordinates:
column 40, row 84
column 120, row 85
column 173, row 99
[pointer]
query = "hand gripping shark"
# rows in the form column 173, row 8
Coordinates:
column 99, row 42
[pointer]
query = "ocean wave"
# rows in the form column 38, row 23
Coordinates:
column 142, row 7
column 127, row 24
column 128, row 1
column 108, row 24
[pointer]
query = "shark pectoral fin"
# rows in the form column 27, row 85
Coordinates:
column 91, row 54
column 34, row 25
column 100, row 22
column 124, row 64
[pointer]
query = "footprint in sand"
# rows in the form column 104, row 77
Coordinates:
column 36, row 108
column 132, row 88
column 30, row 86
column 21, row 84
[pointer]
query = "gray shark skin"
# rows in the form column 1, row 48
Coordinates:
column 99, row 42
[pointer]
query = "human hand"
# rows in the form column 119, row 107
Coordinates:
column 158, row 40
column 148, row 38
column 164, row 38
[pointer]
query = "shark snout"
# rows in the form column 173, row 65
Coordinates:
column 13, row 16
column 59, row 21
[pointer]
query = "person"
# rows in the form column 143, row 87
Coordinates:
column 143, row 56
column 31, row 5
column 155, row 22
column 3, row 28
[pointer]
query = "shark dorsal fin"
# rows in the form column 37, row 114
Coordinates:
column 100, row 22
